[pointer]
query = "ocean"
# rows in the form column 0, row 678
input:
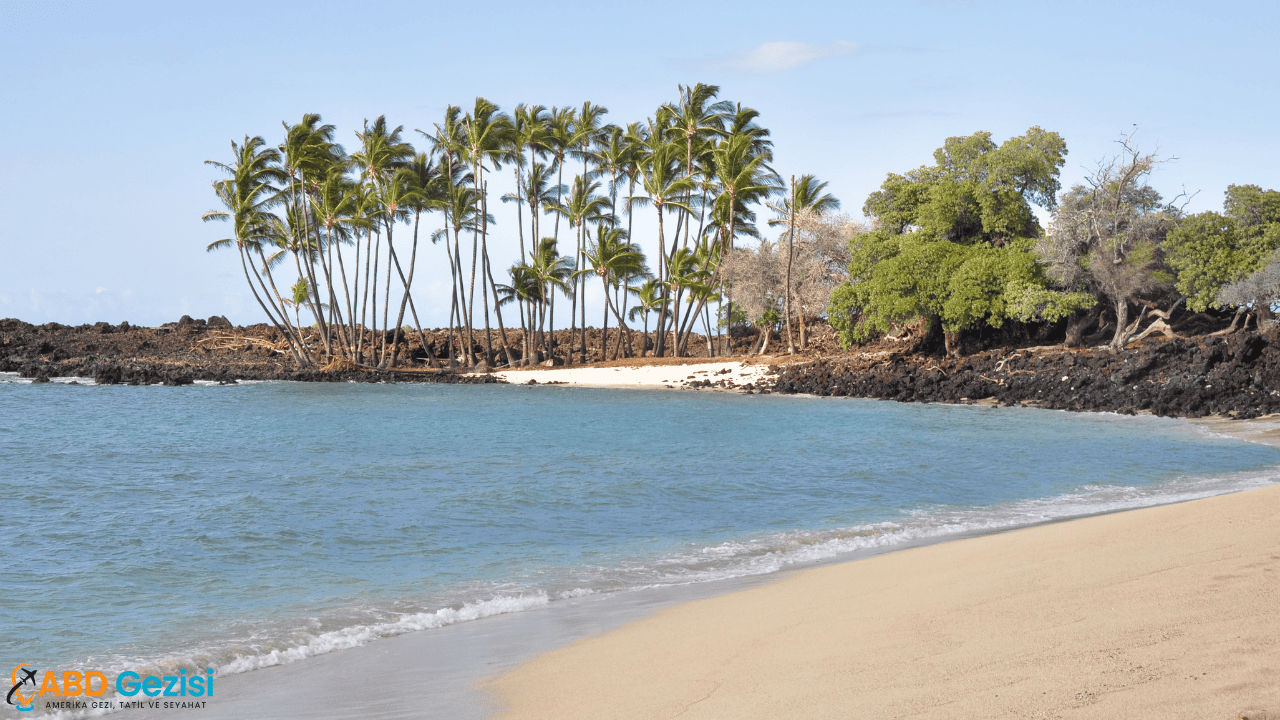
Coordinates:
column 259, row 525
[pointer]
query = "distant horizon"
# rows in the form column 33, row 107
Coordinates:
column 134, row 100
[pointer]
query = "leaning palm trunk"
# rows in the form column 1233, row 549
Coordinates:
column 406, row 300
column 244, row 266
column 497, row 311
column 338, row 320
column 291, row 335
column 313, row 299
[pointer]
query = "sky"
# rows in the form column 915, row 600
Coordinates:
column 111, row 109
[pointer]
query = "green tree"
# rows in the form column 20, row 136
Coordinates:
column 937, row 219
column 1210, row 250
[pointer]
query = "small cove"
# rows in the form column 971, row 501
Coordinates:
column 262, row 524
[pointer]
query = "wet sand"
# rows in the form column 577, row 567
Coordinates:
column 1170, row 612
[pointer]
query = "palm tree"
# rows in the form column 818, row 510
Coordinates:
column 611, row 257
column 664, row 187
column 806, row 196
column 557, row 141
column 486, row 138
column 694, row 120
column 705, row 259
column 459, row 204
column 613, row 157
column 448, row 142
column 429, row 193
column 333, row 205
column 524, row 290
column 745, row 177
column 581, row 206
column 247, row 197
column 553, row 272
column 686, row 272
column 587, row 131
column 528, row 132
column 309, row 152
column 383, row 152
column 649, row 297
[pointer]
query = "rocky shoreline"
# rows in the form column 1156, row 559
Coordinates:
column 178, row 353
column 1235, row 375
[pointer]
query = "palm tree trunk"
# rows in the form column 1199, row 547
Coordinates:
column 582, row 304
column 497, row 310
column 339, row 320
column 461, row 291
column 386, row 298
column 604, row 333
column 373, row 314
column 364, row 301
column 413, row 259
column 312, row 299
column 292, row 335
column 471, row 297
column 245, row 267
column 484, row 285
column 573, row 305
column 660, row 341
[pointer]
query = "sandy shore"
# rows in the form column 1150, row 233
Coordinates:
column 1166, row 612
column 723, row 374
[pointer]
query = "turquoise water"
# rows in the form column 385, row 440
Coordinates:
column 252, row 525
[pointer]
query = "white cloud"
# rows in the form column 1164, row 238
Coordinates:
column 777, row 56
column 127, row 293
column 100, row 290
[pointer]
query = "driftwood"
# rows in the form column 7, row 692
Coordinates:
column 1232, row 327
column 1161, row 324
column 236, row 341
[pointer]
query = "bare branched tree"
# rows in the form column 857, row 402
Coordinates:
column 819, row 264
column 1106, row 237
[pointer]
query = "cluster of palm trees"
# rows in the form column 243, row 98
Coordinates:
column 701, row 164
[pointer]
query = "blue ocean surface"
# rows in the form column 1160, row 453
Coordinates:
column 239, row 527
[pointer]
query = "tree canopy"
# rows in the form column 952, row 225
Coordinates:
column 953, row 242
column 1211, row 250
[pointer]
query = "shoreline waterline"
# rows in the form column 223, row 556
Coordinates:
column 1006, row 625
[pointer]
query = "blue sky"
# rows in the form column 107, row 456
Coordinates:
column 111, row 109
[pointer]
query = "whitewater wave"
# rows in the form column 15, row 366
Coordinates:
column 731, row 559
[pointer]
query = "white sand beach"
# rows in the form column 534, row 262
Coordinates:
column 727, row 374
column 1165, row 612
